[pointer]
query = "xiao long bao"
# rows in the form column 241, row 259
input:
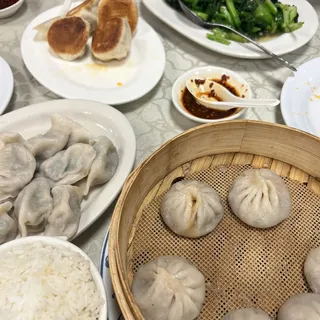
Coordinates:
column 246, row 314
column 169, row 288
column 191, row 208
column 260, row 198
column 304, row 306
column 312, row 270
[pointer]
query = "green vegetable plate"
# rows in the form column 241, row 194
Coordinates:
column 282, row 26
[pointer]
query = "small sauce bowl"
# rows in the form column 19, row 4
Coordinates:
column 11, row 10
column 187, row 105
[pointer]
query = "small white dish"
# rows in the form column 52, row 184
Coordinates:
column 300, row 98
column 99, row 119
column 115, row 82
column 6, row 84
column 214, row 73
column 281, row 45
column 114, row 312
column 7, row 12
column 58, row 243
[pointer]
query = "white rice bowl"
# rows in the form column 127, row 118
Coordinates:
column 45, row 278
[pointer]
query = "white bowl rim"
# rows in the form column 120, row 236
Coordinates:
column 12, row 7
column 185, row 75
column 56, row 242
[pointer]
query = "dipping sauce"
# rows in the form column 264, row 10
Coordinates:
column 190, row 103
column 7, row 3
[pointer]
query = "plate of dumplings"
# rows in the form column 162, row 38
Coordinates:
column 98, row 50
column 62, row 163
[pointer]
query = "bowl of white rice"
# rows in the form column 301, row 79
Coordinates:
column 44, row 278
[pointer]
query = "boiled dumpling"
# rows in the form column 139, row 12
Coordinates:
column 169, row 288
column 104, row 165
column 260, row 198
column 304, row 306
column 63, row 133
column 312, row 269
column 44, row 146
column 78, row 133
column 8, row 226
column 10, row 137
column 246, row 314
column 65, row 217
column 191, row 208
column 69, row 166
column 33, row 206
column 17, row 166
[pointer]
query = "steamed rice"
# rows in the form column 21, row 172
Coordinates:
column 40, row 282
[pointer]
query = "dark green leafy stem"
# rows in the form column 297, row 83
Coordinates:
column 255, row 18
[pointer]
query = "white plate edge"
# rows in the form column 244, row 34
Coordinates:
column 8, row 96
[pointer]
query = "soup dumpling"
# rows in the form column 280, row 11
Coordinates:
column 312, row 269
column 169, row 288
column 246, row 314
column 260, row 198
column 191, row 208
column 304, row 306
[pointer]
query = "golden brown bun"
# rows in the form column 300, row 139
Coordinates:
column 112, row 39
column 68, row 37
column 110, row 9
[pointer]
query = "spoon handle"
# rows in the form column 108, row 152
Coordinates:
column 270, row 53
column 217, row 105
column 256, row 102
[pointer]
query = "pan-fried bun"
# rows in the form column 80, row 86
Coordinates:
column 68, row 37
column 112, row 40
column 110, row 9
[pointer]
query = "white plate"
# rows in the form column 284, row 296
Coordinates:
column 114, row 83
column 114, row 312
column 6, row 84
column 99, row 119
column 281, row 45
column 300, row 98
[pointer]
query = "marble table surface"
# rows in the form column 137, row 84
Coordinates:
column 153, row 117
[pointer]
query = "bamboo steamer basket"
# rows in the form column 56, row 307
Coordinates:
column 289, row 152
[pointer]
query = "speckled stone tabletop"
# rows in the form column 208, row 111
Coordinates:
column 153, row 117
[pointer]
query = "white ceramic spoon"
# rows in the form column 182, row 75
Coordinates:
column 201, row 91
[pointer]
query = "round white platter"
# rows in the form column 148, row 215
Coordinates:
column 114, row 82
